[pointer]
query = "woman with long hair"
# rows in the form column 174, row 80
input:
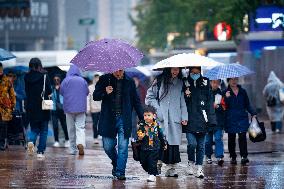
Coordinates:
column 166, row 95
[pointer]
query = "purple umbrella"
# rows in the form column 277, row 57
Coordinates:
column 107, row 55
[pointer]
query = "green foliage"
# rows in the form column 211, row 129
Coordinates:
column 156, row 18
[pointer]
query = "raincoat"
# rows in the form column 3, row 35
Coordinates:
column 171, row 110
column 271, row 90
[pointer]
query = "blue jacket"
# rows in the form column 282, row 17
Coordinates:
column 237, row 108
column 130, row 100
column 54, row 98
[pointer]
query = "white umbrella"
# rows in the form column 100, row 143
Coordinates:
column 186, row 60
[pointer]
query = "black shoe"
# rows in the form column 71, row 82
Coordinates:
column 233, row 161
column 113, row 172
column 221, row 161
column 244, row 161
column 121, row 177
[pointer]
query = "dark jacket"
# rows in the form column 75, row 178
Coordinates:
column 130, row 100
column 237, row 108
column 157, row 134
column 201, row 98
column 33, row 88
column 219, row 111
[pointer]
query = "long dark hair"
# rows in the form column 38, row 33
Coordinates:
column 165, row 77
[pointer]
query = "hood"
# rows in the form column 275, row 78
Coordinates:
column 73, row 71
column 272, row 78
column 33, row 76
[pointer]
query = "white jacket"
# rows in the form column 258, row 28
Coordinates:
column 93, row 106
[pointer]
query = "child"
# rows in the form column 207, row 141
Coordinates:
column 152, row 139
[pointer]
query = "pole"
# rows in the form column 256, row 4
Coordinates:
column 87, row 34
column 7, row 43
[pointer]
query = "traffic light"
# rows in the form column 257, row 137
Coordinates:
column 15, row 8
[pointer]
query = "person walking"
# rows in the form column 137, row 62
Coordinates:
column 216, row 133
column 7, row 105
column 201, row 115
column 166, row 96
column 74, row 90
column 237, row 106
column 274, row 107
column 37, row 83
column 118, row 95
column 58, row 113
column 94, row 107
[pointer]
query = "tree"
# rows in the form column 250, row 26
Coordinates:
column 157, row 18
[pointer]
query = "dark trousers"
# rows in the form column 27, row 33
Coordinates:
column 242, row 144
column 59, row 115
column 273, row 125
column 3, row 134
column 149, row 160
column 95, row 118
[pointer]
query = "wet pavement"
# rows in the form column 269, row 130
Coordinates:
column 93, row 170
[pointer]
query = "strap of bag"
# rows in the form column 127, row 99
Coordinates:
column 43, row 89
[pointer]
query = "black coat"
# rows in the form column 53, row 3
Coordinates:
column 201, row 98
column 219, row 111
column 33, row 88
column 130, row 100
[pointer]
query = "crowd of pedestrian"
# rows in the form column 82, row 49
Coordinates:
column 172, row 105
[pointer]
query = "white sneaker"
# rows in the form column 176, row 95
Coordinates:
column 277, row 130
column 151, row 178
column 171, row 173
column 56, row 145
column 209, row 161
column 40, row 156
column 67, row 144
column 191, row 168
column 199, row 172
column 96, row 141
column 31, row 148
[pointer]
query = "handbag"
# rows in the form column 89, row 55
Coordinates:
column 261, row 136
column 136, row 148
column 46, row 104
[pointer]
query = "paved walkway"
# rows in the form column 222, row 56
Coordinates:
column 59, row 170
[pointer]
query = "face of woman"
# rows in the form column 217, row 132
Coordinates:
column 234, row 82
column 175, row 72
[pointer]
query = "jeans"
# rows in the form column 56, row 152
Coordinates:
column 39, row 128
column 242, row 144
column 219, row 146
column 95, row 118
column 59, row 115
column 76, row 130
column 278, row 125
column 196, row 147
column 118, row 158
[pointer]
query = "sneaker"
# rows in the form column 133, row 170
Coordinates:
column 151, row 178
column 191, row 168
column 220, row 161
column 209, row 161
column 31, row 148
column 96, row 141
column 67, row 144
column 277, row 131
column 244, row 161
column 40, row 156
column 199, row 172
column 56, row 144
column 121, row 177
column 233, row 161
column 159, row 168
column 171, row 173
column 81, row 149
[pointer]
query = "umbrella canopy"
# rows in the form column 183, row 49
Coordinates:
column 107, row 55
column 6, row 55
column 186, row 60
column 228, row 71
column 140, row 72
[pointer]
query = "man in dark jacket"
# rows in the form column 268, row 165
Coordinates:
column 38, row 118
column 216, row 132
column 118, row 94
column 199, row 101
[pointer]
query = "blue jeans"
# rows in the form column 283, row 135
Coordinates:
column 195, row 147
column 278, row 125
column 219, row 146
column 118, row 158
column 39, row 128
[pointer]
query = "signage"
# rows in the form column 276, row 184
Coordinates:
column 222, row 31
column 267, row 18
column 86, row 21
